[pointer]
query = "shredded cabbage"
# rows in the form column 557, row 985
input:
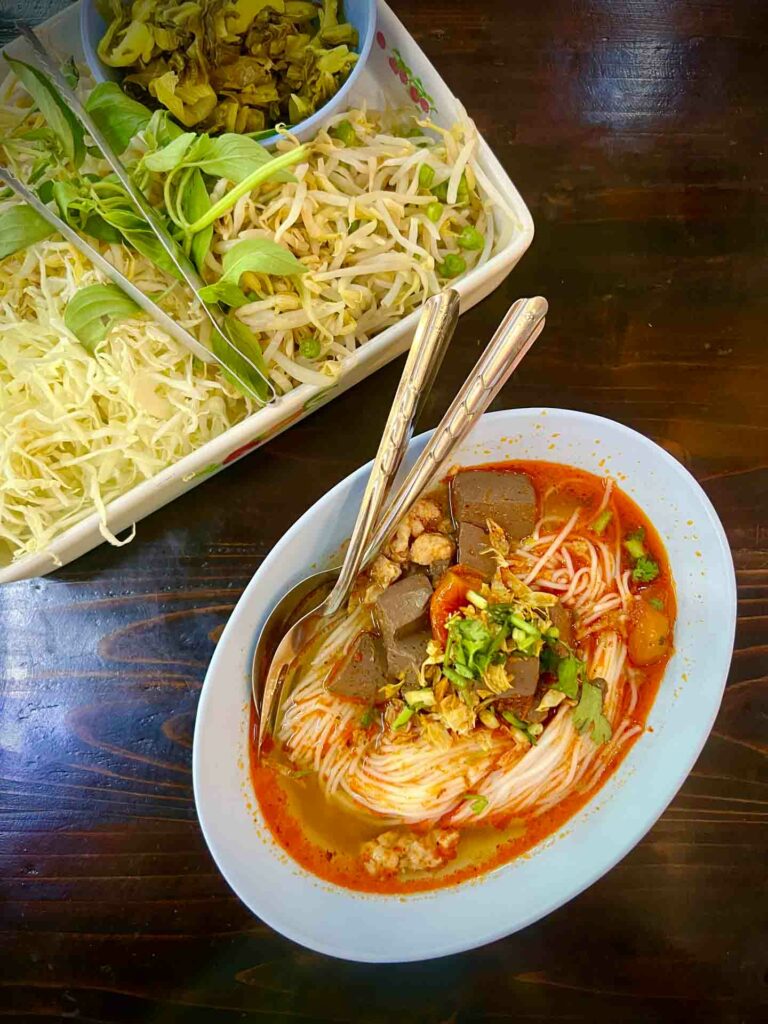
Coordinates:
column 76, row 429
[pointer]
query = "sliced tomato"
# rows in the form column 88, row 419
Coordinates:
column 650, row 633
column 450, row 595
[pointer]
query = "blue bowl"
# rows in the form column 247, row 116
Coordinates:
column 361, row 13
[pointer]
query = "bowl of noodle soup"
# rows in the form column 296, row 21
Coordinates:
column 552, row 789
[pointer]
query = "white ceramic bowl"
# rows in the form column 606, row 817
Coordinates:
column 367, row 927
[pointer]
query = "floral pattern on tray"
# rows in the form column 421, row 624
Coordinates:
column 415, row 87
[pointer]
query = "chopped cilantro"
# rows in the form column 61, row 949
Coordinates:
column 569, row 670
column 469, row 649
column 588, row 714
column 645, row 570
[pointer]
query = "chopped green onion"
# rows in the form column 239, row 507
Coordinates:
column 366, row 719
column 521, row 726
column 426, row 176
column 553, row 633
column 527, row 627
column 415, row 697
column 470, row 238
column 345, row 133
column 511, row 717
column 452, row 266
column 403, row 718
column 479, row 803
column 435, row 211
column 310, row 347
column 454, row 677
column 600, row 522
column 633, row 543
column 657, row 603
column 477, row 600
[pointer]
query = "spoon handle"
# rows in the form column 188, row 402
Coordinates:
column 433, row 333
column 514, row 336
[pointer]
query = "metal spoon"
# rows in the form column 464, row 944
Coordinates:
column 514, row 336
column 434, row 330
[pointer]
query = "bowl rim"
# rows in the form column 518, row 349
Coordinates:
column 633, row 828
column 90, row 51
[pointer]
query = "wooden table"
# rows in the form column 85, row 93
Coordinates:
column 637, row 133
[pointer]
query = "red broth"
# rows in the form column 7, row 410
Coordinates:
column 325, row 837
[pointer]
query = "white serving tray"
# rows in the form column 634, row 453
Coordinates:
column 397, row 71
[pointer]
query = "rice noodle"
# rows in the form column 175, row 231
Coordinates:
column 402, row 776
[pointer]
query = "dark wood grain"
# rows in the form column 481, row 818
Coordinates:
column 637, row 132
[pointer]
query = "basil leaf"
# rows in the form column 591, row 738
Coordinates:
column 20, row 227
column 95, row 226
column 245, row 341
column 135, row 231
column 65, row 195
column 118, row 116
column 170, row 157
column 92, row 311
column 77, row 210
column 144, row 241
column 53, row 108
column 36, row 135
column 224, row 291
column 161, row 130
column 45, row 191
column 260, row 256
column 231, row 156
column 195, row 202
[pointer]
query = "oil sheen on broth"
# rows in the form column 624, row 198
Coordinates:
column 494, row 666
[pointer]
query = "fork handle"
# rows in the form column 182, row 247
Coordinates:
column 514, row 336
column 434, row 331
